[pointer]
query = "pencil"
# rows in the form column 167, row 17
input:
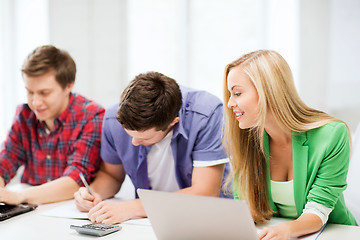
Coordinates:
column 85, row 183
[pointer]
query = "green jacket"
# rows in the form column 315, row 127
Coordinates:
column 320, row 165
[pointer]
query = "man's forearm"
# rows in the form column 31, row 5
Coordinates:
column 2, row 182
column 205, row 181
column 105, row 185
column 197, row 191
column 57, row 190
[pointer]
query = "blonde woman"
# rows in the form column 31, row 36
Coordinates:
column 288, row 160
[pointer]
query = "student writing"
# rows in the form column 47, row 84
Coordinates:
column 165, row 137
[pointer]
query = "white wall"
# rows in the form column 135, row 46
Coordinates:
column 95, row 34
column 314, row 51
column 343, row 82
column 112, row 41
column 329, row 49
column 23, row 27
column 191, row 41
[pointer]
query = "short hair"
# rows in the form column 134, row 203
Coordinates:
column 49, row 58
column 151, row 100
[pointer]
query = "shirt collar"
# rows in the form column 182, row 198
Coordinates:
column 179, row 128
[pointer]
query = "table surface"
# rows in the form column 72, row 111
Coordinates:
column 36, row 225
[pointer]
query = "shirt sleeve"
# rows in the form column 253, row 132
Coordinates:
column 330, row 180
column 210, row 163
column 320, row 210
column 108, row 150
column 85, row 157
column 12, row 154
column 208, row 145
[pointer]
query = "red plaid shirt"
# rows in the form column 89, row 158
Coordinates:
column 73, row 146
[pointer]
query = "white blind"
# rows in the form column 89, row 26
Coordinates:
column 23, row 26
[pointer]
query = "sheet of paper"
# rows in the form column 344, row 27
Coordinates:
column 139, row 221
column 67, row 210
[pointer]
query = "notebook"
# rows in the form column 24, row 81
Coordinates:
column 184, row 216
column 8, row 211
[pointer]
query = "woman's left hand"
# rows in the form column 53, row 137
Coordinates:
column 278, row 232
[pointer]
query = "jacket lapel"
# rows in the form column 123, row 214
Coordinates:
column 300, row 163
column 266, row 149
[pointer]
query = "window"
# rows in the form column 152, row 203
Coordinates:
column 192, row 41
column 23, row 26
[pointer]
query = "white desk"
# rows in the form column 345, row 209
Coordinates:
column 35, row 225
column 337, row 231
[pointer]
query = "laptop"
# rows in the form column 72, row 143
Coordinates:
column 7, row 211
column 184, row 216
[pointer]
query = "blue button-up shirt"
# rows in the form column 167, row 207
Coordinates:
column 196, row 137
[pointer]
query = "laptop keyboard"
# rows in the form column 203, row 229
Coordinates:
column 8, row 211
column 5, row 208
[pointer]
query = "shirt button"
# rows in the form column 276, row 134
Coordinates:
column 49, row 179
column 48, row 157
column 140, row 156
column 187, row 105
column 41, row 135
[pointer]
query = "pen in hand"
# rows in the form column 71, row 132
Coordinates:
column 85, row 183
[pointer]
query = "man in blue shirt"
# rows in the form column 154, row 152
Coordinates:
column 165, row 138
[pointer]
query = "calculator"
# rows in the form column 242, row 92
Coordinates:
column 96, row 229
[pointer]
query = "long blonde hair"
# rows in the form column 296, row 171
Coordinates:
column 272, row 77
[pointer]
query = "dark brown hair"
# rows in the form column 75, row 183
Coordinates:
column 49, row 58
column 151, row 100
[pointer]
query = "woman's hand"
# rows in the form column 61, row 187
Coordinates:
column 278, row 232
column 307, row 223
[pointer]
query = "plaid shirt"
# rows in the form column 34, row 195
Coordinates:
column 73, row 146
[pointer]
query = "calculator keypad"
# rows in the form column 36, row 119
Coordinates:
column 97, row 229
column 98, row 226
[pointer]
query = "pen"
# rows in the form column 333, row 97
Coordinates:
column 85, row 183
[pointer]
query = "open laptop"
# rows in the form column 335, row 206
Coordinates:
column 8, row 211
column 184, row 216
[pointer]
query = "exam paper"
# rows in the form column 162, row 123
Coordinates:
column 67, row 210
column 139, row 221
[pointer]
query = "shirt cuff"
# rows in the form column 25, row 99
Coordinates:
column 73, row 172
column 197, row 163
column 320, row 210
